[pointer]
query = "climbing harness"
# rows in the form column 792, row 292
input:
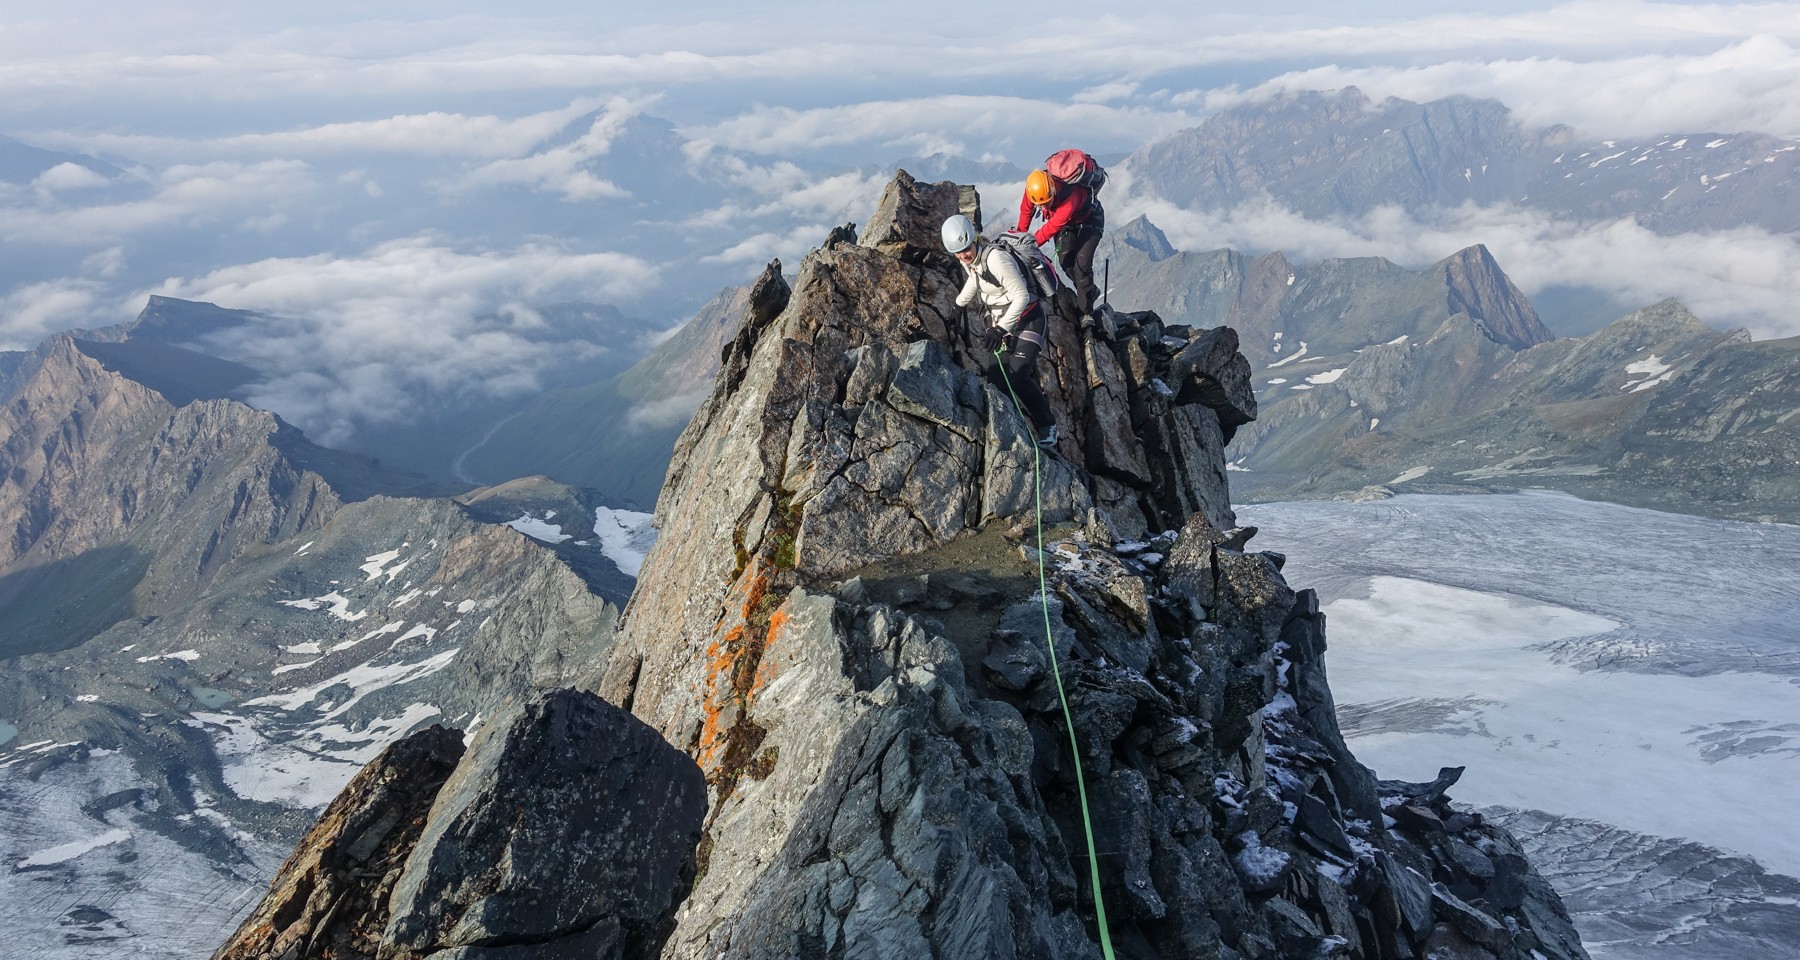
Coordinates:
column 1087, row 825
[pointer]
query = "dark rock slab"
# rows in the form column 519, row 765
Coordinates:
column 1423, row 793
column 1470, row 922
column 1211, row 371
column 1411, row 893
column 567, row 814
column 603, row 941
column 1322, row 829
column 1296, row 933
column 1447, row 943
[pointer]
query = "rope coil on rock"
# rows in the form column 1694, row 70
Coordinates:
column 1087, row 825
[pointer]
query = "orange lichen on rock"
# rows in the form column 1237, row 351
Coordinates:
column 766, row 666
column 731, row 668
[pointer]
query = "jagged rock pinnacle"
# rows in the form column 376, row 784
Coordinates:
column 842, row 625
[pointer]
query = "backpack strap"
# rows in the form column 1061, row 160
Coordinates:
column 1024, row 271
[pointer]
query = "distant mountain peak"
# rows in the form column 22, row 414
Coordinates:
column 180, row 322
column 1143, row 235
column 1477, row 286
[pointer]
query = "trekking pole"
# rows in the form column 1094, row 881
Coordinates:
column 1106, row 282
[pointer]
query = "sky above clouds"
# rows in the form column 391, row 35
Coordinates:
column 316, row 159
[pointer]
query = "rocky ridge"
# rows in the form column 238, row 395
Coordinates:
column 840, row 626
column 1376, row 379
column 1340, row 153
column 92, row 458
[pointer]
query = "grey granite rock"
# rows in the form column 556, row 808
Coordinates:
column 907, row 220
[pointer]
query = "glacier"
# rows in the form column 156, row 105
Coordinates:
column 1623, row 684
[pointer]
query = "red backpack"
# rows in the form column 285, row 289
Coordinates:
column 1076, row 167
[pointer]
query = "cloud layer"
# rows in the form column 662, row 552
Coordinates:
column 365, row 339
column 393, row 181
column 1746, row 277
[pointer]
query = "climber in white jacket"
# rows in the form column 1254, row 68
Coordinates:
column 1015, row 320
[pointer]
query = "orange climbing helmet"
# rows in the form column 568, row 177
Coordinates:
column 1038, row 187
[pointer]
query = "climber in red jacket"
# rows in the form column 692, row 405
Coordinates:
column 1073, row 217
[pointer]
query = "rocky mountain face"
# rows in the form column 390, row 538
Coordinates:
column 1372, row 376
column 843, row 630
column 107, row 479
column 1286, row 312
column 1342, row 154
column 1328, row 154
column 615, row 435
column 205, row 637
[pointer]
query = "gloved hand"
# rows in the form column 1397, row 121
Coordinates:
column 992, row 338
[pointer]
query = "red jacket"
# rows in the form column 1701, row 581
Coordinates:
column 1069, row 206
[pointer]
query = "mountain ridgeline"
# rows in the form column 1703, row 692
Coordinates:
column 1375, row 378
column 835, row 687
column 208, row 624
column 1326, row 154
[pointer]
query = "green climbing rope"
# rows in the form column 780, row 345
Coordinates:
column 1087, row 824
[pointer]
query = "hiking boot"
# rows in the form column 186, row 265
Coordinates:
column 1048, row 441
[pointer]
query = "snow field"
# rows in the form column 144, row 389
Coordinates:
column 1618, row 747
column 57, row 859
column 626, row 537
column 539, row 529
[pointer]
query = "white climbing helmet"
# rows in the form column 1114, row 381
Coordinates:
column 959, row 233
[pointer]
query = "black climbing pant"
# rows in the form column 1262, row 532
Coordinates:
column 1075, row 246
column 1020, row 362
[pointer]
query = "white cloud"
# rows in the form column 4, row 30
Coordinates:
column 1107, row 92
column 1744, row 86
column 668, row 412
column 789, row 247
column 33, row 311
column 559, row 169
column 436, row 133
column 931, row 124
column 1745, row 277
column 105, row 263
column 184, row 195
column 322, row 51
column 1585, row 31
column 68, row 176
column 366, row 339
column 786, row 194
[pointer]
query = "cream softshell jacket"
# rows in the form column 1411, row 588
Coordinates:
column 1004, row 301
